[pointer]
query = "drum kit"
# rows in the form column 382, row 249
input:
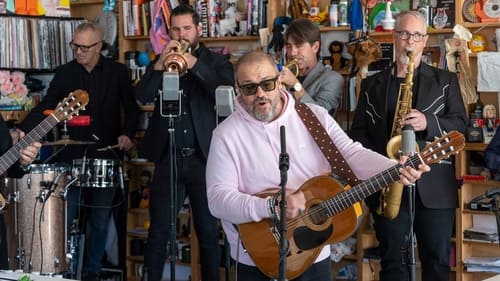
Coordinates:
column 35, row 214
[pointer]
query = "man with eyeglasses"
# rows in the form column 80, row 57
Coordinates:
column 436, row 107
column 244, row 161
column 192, row 132
column 315, row 83
column 110, row 93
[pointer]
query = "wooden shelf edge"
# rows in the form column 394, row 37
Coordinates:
column 229, row 38
column 475, row 146
column 85, row 2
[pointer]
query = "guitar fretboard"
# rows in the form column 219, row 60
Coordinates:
column 13, row 154
column 359, row 192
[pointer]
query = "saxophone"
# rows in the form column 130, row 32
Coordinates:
column 390, row 198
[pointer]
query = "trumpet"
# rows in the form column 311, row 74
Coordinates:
column 175, row 61
column 293, row 66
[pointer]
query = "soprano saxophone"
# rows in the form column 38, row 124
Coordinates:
column 390, row 198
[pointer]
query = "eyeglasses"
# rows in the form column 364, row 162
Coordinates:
column 266, row 85
column 82, row 48
column 405, row 35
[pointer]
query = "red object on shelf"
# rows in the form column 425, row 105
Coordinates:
column 79, row 121
column 474, row 178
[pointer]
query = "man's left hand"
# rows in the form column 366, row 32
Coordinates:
column 28, row 154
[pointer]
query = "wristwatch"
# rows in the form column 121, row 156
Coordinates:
column 297, row 87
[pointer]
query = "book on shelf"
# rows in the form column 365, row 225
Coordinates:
column 482, row 264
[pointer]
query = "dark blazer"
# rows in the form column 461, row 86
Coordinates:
column 439, row 98
column 110, row 91
column 492, row 153
column 210, row 71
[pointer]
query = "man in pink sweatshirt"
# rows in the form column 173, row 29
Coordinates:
column 244, row 160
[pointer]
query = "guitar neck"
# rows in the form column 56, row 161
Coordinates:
column 13, row 154
column 359, row 192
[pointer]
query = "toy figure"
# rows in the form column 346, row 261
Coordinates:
column 490, row 122
column 298, row 9
column 338, row 61
column 364, row 52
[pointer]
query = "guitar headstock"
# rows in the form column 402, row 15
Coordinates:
column 70, row 105
column 441, row 148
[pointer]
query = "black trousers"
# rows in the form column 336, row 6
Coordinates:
column 320, row 271
column 433, row 230
column 191, row 182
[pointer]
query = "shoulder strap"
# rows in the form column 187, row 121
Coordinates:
column 325, row 143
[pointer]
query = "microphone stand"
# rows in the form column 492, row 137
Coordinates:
column 171, row 112
column 412, row 264
column 283, row 166
column 173, row 196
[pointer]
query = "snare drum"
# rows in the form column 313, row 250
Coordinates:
column 97, row 173
column 37, row 216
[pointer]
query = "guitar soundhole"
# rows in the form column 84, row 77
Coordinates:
column 317, row 214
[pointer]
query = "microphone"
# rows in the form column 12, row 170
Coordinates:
column 170, row 105
column 224, row 100
column 408, row 141
column 44, row 195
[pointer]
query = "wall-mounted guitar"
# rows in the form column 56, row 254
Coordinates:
column 65, row 110
column 329, row 216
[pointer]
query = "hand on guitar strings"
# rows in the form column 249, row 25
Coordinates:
column 295, row 204
column 408, row 175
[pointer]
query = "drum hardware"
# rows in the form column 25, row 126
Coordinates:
column 67, row 142
column 94, row 173
column 64, row 192
column 20, row 254
column 73, row 252
column 109, row 147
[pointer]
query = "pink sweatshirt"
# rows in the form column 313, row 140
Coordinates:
column 244, row 160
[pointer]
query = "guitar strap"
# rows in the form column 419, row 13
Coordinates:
column 326, row 145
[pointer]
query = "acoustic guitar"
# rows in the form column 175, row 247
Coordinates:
column 65, row 110
column 329, row 216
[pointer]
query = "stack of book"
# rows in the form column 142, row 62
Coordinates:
column 482, row 264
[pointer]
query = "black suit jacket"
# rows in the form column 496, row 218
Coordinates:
column 110, row 93
column 210, row 71
column 439, row 98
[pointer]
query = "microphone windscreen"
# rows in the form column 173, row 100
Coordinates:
column 408, row 141
column 224, row 100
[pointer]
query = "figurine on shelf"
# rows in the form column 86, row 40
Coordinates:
column 490, row 122
column 338, row 62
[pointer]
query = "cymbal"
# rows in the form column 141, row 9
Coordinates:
column 66, row 142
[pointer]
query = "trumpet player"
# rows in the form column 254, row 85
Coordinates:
column 205, row 71
column 314, row 83
column 436, row 107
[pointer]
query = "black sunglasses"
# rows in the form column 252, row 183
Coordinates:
column 266, row 85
